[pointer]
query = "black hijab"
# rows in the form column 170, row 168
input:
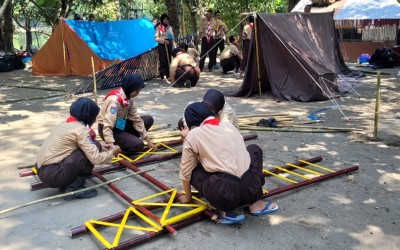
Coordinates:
column 132, row 82
column 214, row 99
column 196, row 113
column 85, row 110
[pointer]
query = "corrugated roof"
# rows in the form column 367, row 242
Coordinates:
column 357, row 9
column 369, row 9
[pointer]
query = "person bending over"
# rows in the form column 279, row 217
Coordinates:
column 216, row 162
column 191, row 51
column 69, row 154
column 183, row 69
column 215, row 101
column 119, row 122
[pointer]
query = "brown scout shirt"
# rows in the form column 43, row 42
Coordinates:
column 221, row 29
column 179, row 61
column 204, row 26
column 246, row 34
column 194, row 53
column 111, row 109
column 160, row 36
column 64, row 140
column 229, row 51
column 218, row 148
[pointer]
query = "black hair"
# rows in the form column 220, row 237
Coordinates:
column 251, row 19
column 183, row 46
column 231, row 39
column 217, row 12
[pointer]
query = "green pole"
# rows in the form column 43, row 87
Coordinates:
column 378, row 98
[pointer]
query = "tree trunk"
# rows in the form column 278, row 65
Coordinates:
column 173, row 13
column 3, row 7
column 8, row 29
column 28, row 33
column 193, row 22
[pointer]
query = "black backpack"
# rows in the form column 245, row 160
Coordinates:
column 383, row 58
column 7, row 63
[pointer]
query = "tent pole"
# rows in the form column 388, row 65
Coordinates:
column 63, row 46
column 94, row 81
column 258, row 57
column 377, row 100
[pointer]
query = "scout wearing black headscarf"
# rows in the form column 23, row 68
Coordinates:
column 164, row 36
column 216, row 162
column 119, row 122
column 214, row 100
column 69, row 154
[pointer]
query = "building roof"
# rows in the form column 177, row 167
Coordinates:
column 356, row 9
column 369, row 9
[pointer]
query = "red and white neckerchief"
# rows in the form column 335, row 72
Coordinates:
column 208, row 32
column 251, row 25
column 213, row 121
column 92, row 134
column 163, row 28
column 123, row 101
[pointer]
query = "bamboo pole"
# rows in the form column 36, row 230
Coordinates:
column 377, row 100
column 263, row 115
column 294, row 130
column 159, row 127
column 94, row 80
column 74, row 192
column 258, row 56
column 63, row 46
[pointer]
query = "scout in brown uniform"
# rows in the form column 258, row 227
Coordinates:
column 215, row 101
column 190, row 51
column 183, row 69
column 119, row 122
column 164, row 36
column 220, row 30
column 230, row 58
column 246, row 36
column 69, row 154
column 228, row 177
column 206, row 34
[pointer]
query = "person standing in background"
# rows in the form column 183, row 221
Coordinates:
column 206, row 38
column 246, row 36
column 220, row 31
column 164, row 36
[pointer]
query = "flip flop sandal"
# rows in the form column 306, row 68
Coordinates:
column 231, row 219
column 266, row 210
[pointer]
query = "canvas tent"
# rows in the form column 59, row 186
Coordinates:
column 298, row 54
column 72, row 44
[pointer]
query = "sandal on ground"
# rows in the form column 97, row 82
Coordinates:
column 230, row 219
column 266, row 210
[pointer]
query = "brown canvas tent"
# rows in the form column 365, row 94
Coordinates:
column 72, row 44
column 298, row 55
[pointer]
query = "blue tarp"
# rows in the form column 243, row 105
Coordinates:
column 116, row 39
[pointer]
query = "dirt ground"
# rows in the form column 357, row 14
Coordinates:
column 333, row 214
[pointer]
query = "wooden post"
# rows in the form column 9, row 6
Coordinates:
column 63, row 46
column 258, row 57
column 94, row 81
column 378, row 98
